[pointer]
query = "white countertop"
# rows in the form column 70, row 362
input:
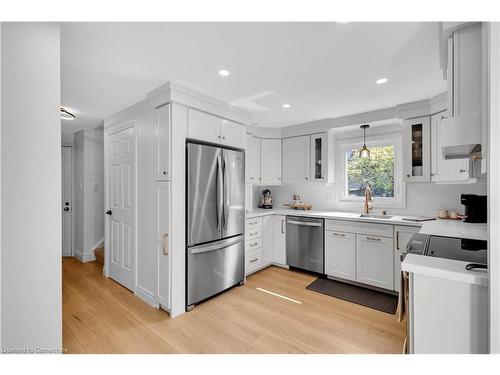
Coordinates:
column 349, row 216
column 455, row 228
column 448, row 269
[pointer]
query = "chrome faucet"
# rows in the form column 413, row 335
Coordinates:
column 368, row 199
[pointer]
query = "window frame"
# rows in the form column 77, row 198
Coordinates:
column 399, row 199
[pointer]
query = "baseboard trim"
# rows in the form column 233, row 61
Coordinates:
column 146, row 296
column 82, row 257
column 98, row 245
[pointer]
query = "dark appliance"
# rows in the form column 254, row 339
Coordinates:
column 476, row 208
column 267, row 200
column 463, row 249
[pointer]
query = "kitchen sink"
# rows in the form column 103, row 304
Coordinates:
column 376, row 216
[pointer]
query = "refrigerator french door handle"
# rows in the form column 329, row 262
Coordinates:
column 220, row 193
column 216, row 246
column 225, row 207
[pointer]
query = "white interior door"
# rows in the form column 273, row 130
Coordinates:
column 67, row 200
column 121, row 207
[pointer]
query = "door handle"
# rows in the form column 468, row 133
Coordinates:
column 109, row 212
column 225, row 192
column 66, row 208
column 306, row 223
column 66, row 203
column 164, row 244
column 282, row 226
column 397, row 240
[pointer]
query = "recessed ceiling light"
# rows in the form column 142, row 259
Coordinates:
column 223, row 73
column 286, row 105
column 381, row 81
column 66, row 115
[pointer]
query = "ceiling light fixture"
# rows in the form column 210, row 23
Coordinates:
column 66, row 115
column 286, row 105
column 364, row 152
column 223, row 73
column 381, row 81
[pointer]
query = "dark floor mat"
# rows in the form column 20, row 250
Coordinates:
column 387, row 303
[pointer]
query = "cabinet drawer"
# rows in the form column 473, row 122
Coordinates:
column 253, row 244
column 384, row 230
column 253, row 260
column 253, row 233
column 253, row 223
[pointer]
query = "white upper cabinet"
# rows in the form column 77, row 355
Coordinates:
column 248, row 157
column 296, row 159
column 270, row 161
column 210, row 128
column 322, row 154
column 445, row 170
column 162, row 132
column 203, row 126
column 232, row 134
column 417, row 145
column 255, row 160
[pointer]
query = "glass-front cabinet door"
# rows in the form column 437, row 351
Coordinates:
column 417, row 149
column 321, row 149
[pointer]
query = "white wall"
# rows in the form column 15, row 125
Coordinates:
column 422, row 198
column 493, row 184
column 31, row 315
column 89, row 192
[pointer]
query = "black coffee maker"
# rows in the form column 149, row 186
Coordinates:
column 476, row 208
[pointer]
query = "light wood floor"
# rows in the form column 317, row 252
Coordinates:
column 101, row 316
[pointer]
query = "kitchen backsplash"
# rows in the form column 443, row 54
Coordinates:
column 421, row 198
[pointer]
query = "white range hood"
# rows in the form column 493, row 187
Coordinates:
column 462, row 136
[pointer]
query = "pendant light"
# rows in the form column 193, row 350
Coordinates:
column 66, row 115
column 364, row 152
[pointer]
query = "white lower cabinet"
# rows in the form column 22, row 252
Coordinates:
column 374, row 261
column 340, row 255
column 253, row 260
column 267, row 239
column 279, row 256
column 163, row 242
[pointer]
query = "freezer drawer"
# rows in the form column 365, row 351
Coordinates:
column 305, row 243
column 214, row 267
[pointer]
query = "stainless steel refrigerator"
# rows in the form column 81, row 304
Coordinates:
column 215, row 221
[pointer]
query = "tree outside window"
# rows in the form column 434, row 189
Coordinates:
column 377, row 172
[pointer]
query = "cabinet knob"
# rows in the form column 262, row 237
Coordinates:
column 463, row 170
column 307, row 178
column 407, row 175
column 223, row 137
column 164, row 172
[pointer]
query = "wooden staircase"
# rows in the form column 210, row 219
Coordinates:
column 99, row 255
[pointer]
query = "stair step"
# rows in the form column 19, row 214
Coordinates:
column 99, row 255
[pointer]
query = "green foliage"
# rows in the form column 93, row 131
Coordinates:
column 377, row 172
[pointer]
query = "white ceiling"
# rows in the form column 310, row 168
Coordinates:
column 322, row 69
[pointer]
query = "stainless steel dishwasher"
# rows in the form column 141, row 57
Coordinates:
column 304, row 243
